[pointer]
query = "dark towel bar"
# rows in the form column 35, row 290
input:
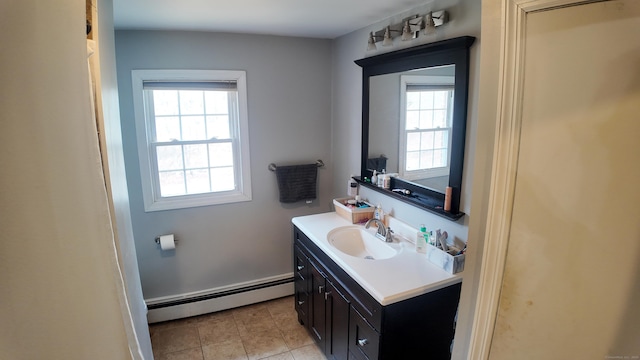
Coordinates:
column 273, row 166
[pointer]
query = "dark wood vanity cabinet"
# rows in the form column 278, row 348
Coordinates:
column 348, row 323
column 321, row 306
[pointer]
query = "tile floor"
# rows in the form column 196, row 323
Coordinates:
column 268, row 330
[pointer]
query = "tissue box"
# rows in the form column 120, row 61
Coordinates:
column 355, row 215
column 449, row 263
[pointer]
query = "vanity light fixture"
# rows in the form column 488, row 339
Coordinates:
column 433, row 20
column 387, row 38
column 409, row 28
column 372, row 41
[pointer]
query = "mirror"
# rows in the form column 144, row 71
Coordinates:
column 414, row 111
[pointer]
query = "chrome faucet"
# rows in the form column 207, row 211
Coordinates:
column 384, row 233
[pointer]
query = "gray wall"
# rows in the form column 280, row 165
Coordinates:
column 346, row 131
column 289, row 98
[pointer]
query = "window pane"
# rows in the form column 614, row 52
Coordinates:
column 426, row 159
column 413, row 120
column 193, row 128
column 221, row 154
column 426, row 119
column 426, row 140
column 216, row 102
column 195, row 156
column 218, row 127
column 191, row 102
column 426, row 99
column 413, row 141
column 165, row 102
column 171, row 183
column 197, row 181
column 441, row 139
column 169, row 157
column 439, row 118
column 413, row 100
column 440, row 99
column 440, row 158
column 167, row 128
column 413, row 161
column 222, row 179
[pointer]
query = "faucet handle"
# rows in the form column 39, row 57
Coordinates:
column 389, row 236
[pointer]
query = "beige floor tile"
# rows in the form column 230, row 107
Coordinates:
column 250, row 311
column 217, row 330
column 264, row 344
column 281, row 305
column 228, row 350
column 174, row 339
column 286, row 320
column 189, row 354
column 296, row 337
column 283, row 356
column 309, row 352
column 216, row 316
column 256, row 325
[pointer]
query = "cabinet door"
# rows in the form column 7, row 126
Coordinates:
column 364, row 341
column 302, row 283
column 337, row 338
column 317, row 314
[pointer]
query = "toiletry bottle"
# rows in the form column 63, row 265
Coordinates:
column 352, row 190
column 379, row 213
column 380, row 179
column 387, row 182
column 421, row 245
column 374, row 178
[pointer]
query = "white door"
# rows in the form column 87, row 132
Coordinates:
column 571, row 229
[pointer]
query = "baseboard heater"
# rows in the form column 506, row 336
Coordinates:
column 203, row 302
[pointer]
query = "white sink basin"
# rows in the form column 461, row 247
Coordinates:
column 357, row 242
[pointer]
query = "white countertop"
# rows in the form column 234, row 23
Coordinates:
column 401, row 277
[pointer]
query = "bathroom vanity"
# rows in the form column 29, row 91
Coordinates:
column 397, row 307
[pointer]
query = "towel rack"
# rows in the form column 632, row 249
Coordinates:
column 273, row 166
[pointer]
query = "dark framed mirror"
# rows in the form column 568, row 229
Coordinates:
column 414, row 115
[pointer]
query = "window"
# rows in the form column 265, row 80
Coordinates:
column 427, row 103
column 192, row 137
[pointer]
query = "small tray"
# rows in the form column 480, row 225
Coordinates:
column 355, row 215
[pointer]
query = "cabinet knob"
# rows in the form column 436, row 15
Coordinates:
column 363, row 342
column 326, row 295
column 320, row 289
column 300, row 302
column 300, row 267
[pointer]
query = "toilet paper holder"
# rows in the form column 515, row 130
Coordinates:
column 157, row 240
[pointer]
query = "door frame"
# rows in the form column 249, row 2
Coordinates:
column 513, row 18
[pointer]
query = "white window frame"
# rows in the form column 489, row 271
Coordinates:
column 421, row 80
column 144, row 135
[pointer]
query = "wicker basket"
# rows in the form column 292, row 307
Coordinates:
column 355, row 215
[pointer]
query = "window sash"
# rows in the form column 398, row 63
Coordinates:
column 154, row 144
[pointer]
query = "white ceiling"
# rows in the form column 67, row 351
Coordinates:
column 305, row 18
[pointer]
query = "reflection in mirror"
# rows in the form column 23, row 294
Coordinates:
column 410, row 121
column 414, row 113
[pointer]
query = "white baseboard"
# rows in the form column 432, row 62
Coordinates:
column 218, row 303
